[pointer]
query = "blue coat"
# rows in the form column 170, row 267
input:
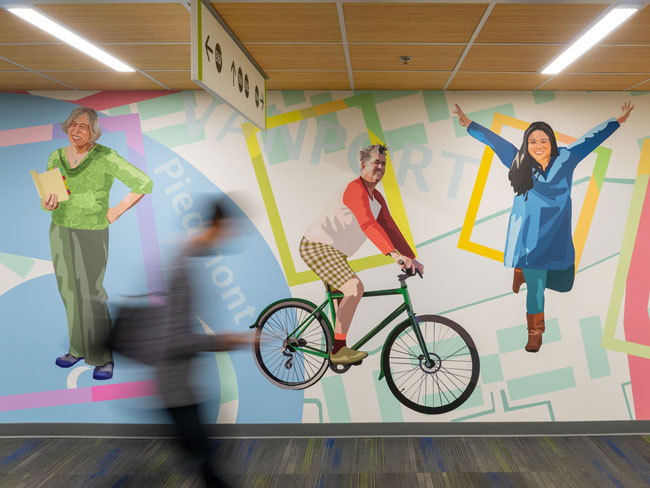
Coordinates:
column 539, row 229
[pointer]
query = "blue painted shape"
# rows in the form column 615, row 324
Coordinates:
column 538, row 384
column 491, row 371
column 293, row 97
column 543, row 96
column 514, row 338
column 20, row 111
column 435, row 103
column 483, row 117
column 592, row 334
column 460, row 161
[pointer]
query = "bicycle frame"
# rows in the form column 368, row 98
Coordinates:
column 405, row 306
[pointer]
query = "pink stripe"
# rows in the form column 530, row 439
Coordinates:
column 26, row 135
column 45, row 399
column 636, row 322
column 110, row 99
column 120, row 391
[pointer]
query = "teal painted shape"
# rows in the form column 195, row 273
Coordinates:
column 483, row 117
column 155, row 107
column 592, row 334
column 640, row 141
column 397, row 138
column 319, row 405
column 541, row 383
column 123, row 110
column 491, row 371
column 386, row 95
column 389, row 407
column 227, row 379
column 274, row 139
column 474, row 400
column 508, row 408
column 543, row 96
column 331, row 118
column 293, row 97
column 627, row 402
column 335, row 399
column 637, row 93
column 436, row 104
column 478, row 414
column 21, row 265
column 175, row 135
column 514, row 338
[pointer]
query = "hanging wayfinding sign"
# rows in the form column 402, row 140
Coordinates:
column 222, row 66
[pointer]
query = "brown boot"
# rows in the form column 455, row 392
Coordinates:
column 518, row 280
column 536, row 328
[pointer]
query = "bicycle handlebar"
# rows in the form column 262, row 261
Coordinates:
column 407, row 272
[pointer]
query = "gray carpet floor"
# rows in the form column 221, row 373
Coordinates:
column 563, row 462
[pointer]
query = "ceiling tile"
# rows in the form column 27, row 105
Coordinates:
column 125, row 22
column 634, row 31
column 7, row 66
column 105, row 80
column 593, row 81
column 530, row 57
column 42, row 57
column 152, row 56
column 15, row 29
column 404, row 80
column 496, row 81
column 531, row 23
column 282, row 22
column 613, row 59
column 645, row 86
column 305, row 80
column 298, row 56
column 384, row 56
column 175, row 80
column 412, row 22
column 26, row 80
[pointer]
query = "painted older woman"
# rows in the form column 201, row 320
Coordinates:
column 79, row 235
column 539, row 243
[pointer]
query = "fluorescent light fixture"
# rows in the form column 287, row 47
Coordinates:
column 603, row 27
column 66, row 35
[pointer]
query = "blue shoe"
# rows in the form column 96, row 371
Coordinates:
column 103, row 372
column 67, row 360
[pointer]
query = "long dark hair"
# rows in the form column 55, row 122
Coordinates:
column 521, row 171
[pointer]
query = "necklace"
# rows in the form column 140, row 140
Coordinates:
column 77, row 159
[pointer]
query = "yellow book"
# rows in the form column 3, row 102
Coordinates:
column 51, row 181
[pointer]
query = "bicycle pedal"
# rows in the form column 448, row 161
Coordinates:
column 357, row 363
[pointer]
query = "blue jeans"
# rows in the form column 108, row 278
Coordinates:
column 538, row 280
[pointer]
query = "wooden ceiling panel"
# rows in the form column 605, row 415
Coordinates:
column 643, row 86
column 26, row 80
column 15, row 29
column 40, row 57
column 105, row 80
column 531, row 57
column 537, row 23
column 125, row 22
column 593, row 81
column 634, row 31
column 405, row 80
column 281, row 22
column 152, row 56
column 496, row 81
column 384, row 56
column 7, row 66
column 613, row 59
column 175, row 80
column 305, row 80
column 412, row 22
column 298, row 56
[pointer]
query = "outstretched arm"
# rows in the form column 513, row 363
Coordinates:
column 503, row 149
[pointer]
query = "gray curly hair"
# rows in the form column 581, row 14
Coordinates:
column 364, row 154
column 95, row 131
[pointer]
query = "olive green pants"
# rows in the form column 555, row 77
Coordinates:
column 79, row 257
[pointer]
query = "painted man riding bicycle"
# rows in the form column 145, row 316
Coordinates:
column 357, row 212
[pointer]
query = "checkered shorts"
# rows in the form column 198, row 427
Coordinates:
column 329, row 264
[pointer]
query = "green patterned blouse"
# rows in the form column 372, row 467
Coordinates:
column 90, row 184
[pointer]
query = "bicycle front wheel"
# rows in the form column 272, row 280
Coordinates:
column 451, row 375
column 283, row 335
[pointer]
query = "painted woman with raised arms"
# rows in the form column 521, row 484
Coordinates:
column 539, row 243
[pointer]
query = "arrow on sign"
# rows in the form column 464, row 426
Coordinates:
column 234, row 72
column 207, row 48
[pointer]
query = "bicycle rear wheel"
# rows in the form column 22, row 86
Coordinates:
column 451, row 379
column 276, row 353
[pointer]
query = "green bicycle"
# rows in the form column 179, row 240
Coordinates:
column 430, row 362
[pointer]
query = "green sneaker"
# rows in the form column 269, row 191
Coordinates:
column 345, row 355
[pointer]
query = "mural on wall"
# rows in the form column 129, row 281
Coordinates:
column 450, row 205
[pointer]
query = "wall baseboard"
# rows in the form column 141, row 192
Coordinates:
column 371, row 429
